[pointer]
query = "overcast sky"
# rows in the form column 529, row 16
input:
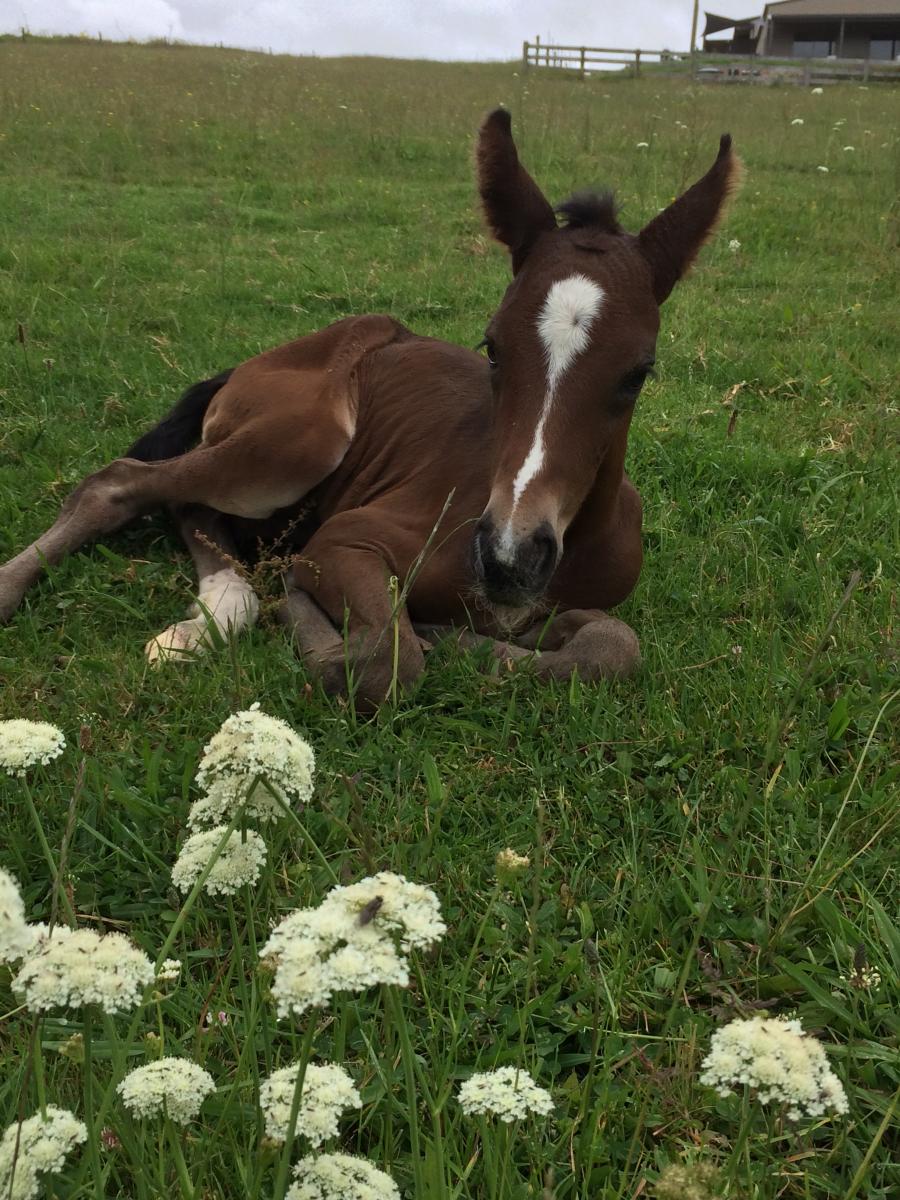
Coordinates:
column 447, row 29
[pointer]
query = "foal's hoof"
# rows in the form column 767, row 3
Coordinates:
column 178, row 643
column 604, row 648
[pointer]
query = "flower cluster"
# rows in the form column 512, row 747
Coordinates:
column 327, row 1092
column 238, row 863
column 508, row 863
column 359, row 936
column 74, row 967
column 174, row 1086
column 16, row 935
column 24, row 744
column 169, row 971
column 508, row 1093
column 256, row 763
column 779, row 1061
column 689, row 1181
column 340, row 1177
column 39, row 1146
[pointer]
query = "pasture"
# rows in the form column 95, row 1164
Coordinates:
column 713, row 838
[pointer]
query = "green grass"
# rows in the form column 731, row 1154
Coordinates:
column 722, row 829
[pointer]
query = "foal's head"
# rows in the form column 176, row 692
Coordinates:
column 569, row 348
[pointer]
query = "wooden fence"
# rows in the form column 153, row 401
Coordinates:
column 712, row 68
column 588, row 58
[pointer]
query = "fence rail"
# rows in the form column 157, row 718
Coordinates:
column 744, row 69
column 585, row 58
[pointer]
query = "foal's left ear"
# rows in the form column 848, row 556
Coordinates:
column 516, row 208
column 672, row 240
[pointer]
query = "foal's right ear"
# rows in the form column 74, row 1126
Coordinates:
column 514, row 205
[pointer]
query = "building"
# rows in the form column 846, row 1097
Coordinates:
column 866, row 29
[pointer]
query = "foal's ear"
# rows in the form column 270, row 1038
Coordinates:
column 514, row 205
column 672, row 241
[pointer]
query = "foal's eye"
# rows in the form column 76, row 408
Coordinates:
column 490, row 351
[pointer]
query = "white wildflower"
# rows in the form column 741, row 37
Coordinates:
column 39, row 1146
column 74, row 967
column 508, row 1093
column 239, row 862
column 358, row 937
column 824, row 170
column 327, row 1092
column 24, row 744
column 850, row 148
column 340, row 1177
column 251, row 757
column 169, row 971
column 508, row 862
column 797, row 121
column 175, row 1086
column 734, row 245
column 779, row 1061
column 864, row 978
column 17, row 937
column 642, row 145
column 817, row 91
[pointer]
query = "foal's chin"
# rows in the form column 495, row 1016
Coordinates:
column 510, row 611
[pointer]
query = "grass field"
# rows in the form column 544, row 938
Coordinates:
column 718, row 834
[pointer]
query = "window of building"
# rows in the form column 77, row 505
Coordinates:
column 809, row 49
column 884, row 48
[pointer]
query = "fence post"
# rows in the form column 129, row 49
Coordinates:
column 581, row 64
column 637, row 63
column 524, row 56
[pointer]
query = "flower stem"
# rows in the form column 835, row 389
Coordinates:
column 48, row 855
column 88, row 1082
column 284, row 1164
column 184, row 1179
column 177, row 926
column 412, row 1100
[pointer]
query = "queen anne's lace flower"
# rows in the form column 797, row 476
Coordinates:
column 74, row 967
column 359, row 936
column 44, row 1143
column 175, row 1086
column 239, row 862
column 779, row 1061
column 508, row 1093
column 508, row 862
column 340, row 1177
column 17, row 937
column 327, row 1092
column 169, row 971
column 24, row 744
column 252, row 756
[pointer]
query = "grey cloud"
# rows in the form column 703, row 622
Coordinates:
column 450, row 29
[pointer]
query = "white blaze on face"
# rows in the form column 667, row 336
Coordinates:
column 563, row 325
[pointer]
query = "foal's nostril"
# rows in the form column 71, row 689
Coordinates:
column 545, row 549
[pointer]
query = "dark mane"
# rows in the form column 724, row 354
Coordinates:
column 591, row 210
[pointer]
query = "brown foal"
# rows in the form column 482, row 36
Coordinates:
column 441, row 488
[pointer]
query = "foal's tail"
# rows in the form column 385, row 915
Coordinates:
column 180, row 429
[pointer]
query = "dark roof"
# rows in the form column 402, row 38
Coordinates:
column 715, row 24
column 833, row 8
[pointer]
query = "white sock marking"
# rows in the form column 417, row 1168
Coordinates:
column 231, row 604
column 564, row 329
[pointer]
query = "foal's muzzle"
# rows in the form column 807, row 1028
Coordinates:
column 514, row 574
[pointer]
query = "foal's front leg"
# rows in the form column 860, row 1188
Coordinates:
column 343, row 580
